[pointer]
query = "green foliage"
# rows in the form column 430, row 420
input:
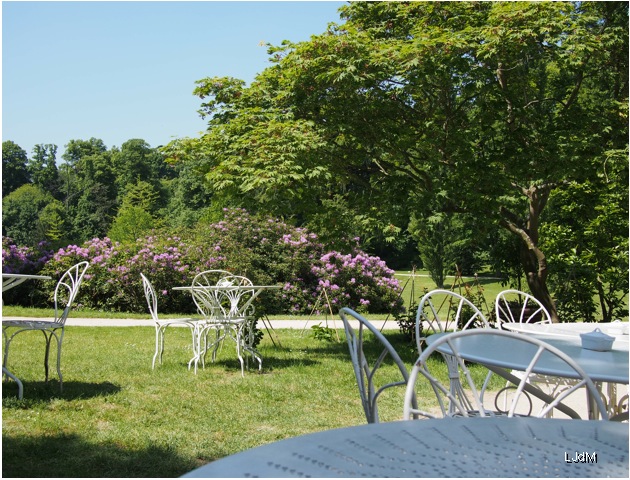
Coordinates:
column 42, row 168
column 20, row 214
column 140, row 194
column 487, row 107
column 264, row 249
column 14, row 169
column 587, row 237
column 131, row 223
column 53, row 225
column 323, row 333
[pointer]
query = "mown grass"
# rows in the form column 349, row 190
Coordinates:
column 116, row 417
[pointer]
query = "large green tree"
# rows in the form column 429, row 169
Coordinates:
column 454, row 107
column 21, row 211
column 14, row 167
column 42, row 168
column 89, row 187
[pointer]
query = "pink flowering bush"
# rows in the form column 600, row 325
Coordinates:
column 264, row 249
column 358, row 280
column 25, row 260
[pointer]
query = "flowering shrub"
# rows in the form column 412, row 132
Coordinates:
column 266, row 250
column 113, row 281
column 25, row 260
column 362, row 281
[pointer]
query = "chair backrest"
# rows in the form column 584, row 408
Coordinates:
column 149, row 293
column 444, row 310
column 67, row 289
column 514, row 306
column 234, row 302
column 206, row 301
column 228, row 303
column 364, row 369
column 462, row 396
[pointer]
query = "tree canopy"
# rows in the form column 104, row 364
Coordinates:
column 477, row 108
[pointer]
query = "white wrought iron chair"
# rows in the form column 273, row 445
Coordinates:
column 228, row 312
column 443, row 311
column 206, row 301
column 468, row 400
column 64, row 295
column 514, row 306
column 366, row 366
column 161, row 324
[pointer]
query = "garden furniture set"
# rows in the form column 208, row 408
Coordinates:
column 470, row 433
column 225, row 304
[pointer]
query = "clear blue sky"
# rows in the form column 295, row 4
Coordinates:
column 122, row 70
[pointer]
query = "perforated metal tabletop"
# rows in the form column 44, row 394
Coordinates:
column 452, row 447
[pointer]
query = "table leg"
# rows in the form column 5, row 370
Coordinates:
column 535, row 391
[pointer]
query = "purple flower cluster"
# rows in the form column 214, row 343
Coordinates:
column 358, row 280
column 27, row 260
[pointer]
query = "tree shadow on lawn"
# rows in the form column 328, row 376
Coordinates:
column 40, row 391
column 71, row 456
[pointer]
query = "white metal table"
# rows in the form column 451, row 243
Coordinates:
column 450, row 447
column 619, row 330
column 10, row 280
column 258, row 289
column 571, row 333
column 500, row 355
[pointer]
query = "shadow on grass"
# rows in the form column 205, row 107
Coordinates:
column 70, row 456
column 39, row 391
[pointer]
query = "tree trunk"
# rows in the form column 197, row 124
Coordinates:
column 532, row 258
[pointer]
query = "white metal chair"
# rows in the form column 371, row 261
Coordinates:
column 364, row 368
column 64, row 295
column 443, row 311
column 206, row 301
column 228, row 312
column 468, row 400
column 514, row 306
column 162, row 324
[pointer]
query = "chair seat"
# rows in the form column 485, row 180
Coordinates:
column 32, row 324
column 173, row 321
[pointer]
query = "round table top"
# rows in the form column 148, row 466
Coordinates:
column 449, row 447
column 509, row 353
column 25, row 276
column 10, row 280
column 229, row 287
column 572, row 330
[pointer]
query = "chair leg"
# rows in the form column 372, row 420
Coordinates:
column 157, row 345
column 48, row 338
column 5, row 357
column 59, row 343
column 17, row 380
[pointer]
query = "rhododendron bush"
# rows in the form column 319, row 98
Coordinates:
column 264, row 249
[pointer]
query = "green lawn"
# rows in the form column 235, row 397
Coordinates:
column 116, row 417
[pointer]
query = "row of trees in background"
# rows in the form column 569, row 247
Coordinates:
column 448, row 134
column 94, row 192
